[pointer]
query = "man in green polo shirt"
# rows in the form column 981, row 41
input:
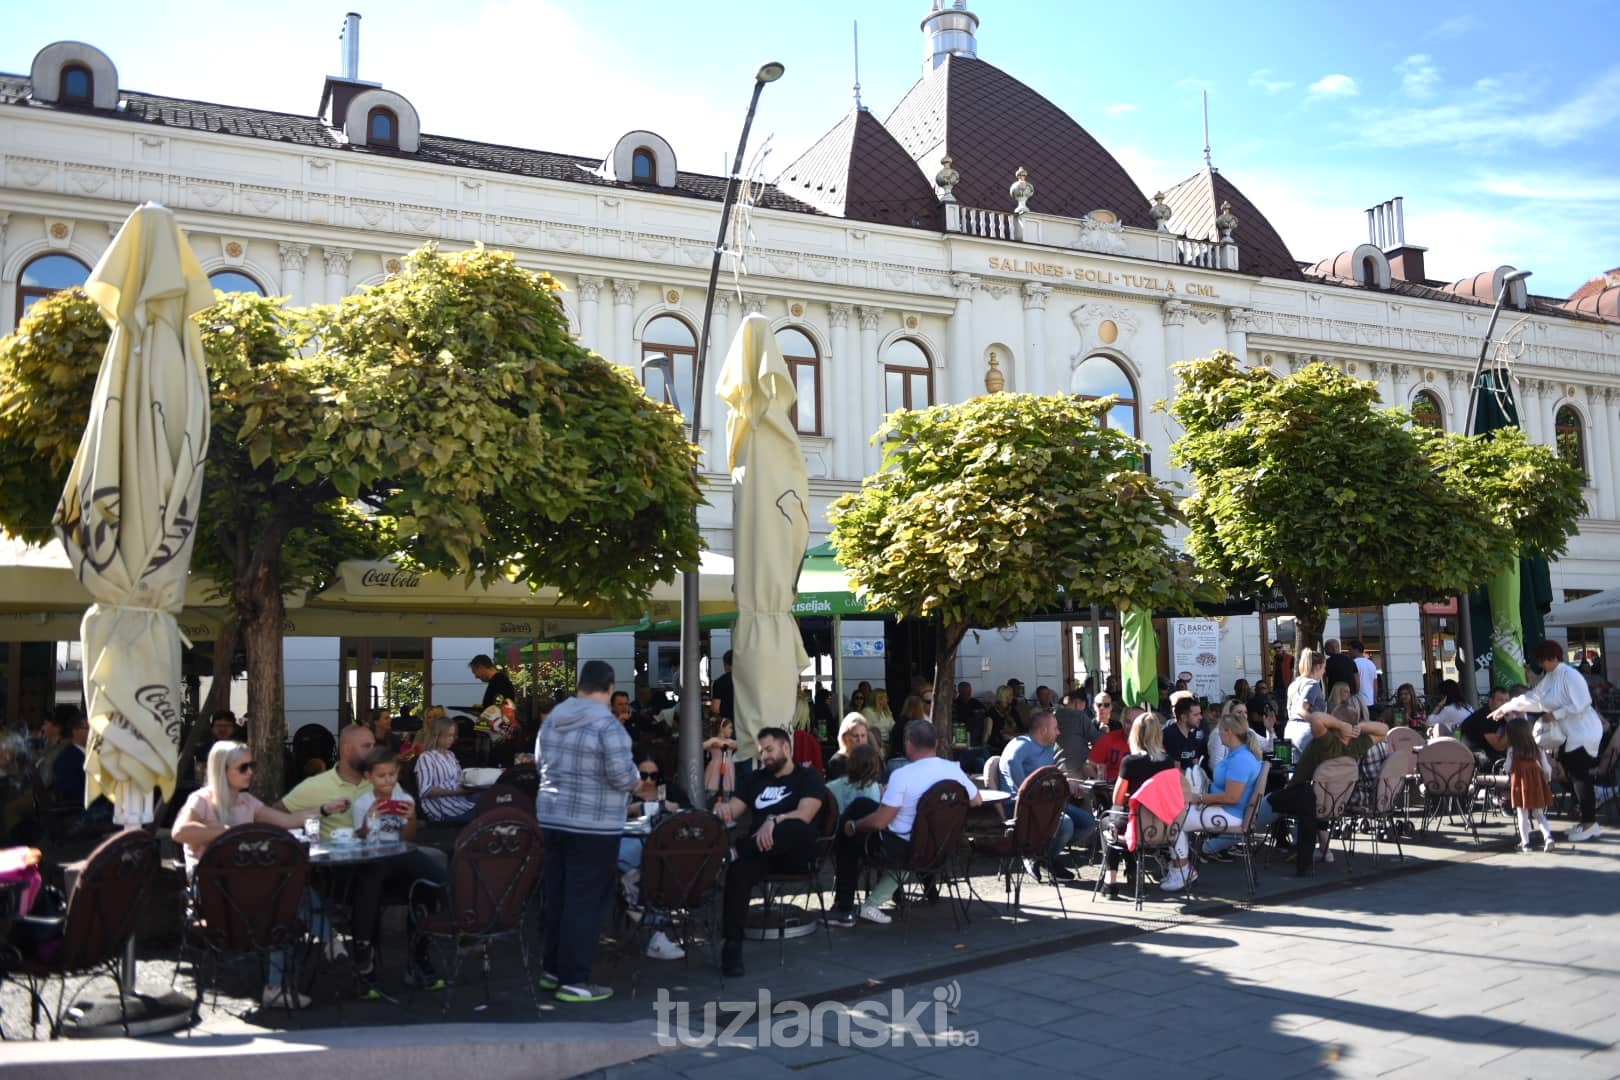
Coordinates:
column 333, row 792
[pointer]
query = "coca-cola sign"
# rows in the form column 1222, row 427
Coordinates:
column 391, row 578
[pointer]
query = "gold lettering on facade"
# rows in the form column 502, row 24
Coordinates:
column 1092, row 275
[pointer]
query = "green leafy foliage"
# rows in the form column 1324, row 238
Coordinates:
column 1307, row 485
column 984, row 510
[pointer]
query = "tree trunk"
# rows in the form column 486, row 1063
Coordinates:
column 950, row 639
column 1309, row 622
column 267, row 720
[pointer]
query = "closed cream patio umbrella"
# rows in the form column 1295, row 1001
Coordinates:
column 770, row 495
column 129, row 511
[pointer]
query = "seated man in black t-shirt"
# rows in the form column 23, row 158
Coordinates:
column 785, row 799
column 1484, row 735
column 1185, row 739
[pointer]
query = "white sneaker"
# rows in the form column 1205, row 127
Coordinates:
column 660, row 947
column 874, row 915
column 275, row 997
column 335, row 948
column 1549, row 844
column 1175, row 880
column 1585, row 832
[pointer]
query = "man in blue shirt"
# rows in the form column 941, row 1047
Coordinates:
column 1024, row 755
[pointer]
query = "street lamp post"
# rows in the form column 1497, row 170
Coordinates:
column 1465, row 606
column 691, row 741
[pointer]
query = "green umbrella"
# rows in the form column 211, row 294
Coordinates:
column 1140, row 660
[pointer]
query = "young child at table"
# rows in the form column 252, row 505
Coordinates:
column 386, row 812
column 1529, row 782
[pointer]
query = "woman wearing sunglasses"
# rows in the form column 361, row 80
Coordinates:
column 225, row 801
column 656, row 790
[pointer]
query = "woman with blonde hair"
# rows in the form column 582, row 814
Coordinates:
column 1307, row 707
column 852, row 732
column 438, row 772
column 1237, row 708
column 224, row 802
column 879, row 718
column 1221, row 807
column 1146, row 760
column 1001, row 720
column 1345, row 704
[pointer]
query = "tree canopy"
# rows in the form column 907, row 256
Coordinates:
column 1306, row 484
column 446, row 415
column 988, row 511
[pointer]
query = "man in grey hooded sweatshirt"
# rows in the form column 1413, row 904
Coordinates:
column 587, row 771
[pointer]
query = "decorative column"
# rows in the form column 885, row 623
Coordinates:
column 1400, row 381
column 720, row 331
column 1175, row 321
column 337, row 272
column 1378, row 374
column 962, row 352
column 1531, row 404
column 1598, row 456
column 840, row 382
column 1039, row 379
column 1239, row 321
column 292, row 272
column 873, row 407
column 1610, row 399
column 1457, row 385
column 590, row 319
column 624, row 326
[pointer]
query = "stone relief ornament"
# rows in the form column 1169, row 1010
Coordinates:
column 1103, row 325
column 1103, row 237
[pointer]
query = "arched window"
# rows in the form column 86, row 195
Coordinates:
column 668, row 358
column 46, row 275
column 643, row 166
column 78, row 86
column 1426, row 411
column 804, row 364
column 1567, row 428
column 1100, row 376
column 233, row 281
column 908, row 376
column 382, row 128
column 1369, row 271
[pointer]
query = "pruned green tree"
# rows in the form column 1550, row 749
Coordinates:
column 446, row 415
column 989, row 511
column 1306, row 484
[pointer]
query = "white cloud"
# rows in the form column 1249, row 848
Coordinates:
column 1499, row 116
column 1456, row 26
column 1263, row 80
column 1334, row 86
column 1419, row 76
column 1120, row 109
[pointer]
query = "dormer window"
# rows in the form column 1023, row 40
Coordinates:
column 382, row 128
column 78, row 85
column 643, row 166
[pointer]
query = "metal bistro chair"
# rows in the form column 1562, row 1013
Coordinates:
column 526, row 778
column 935, row 835
column 494, row 871
column 243, row 899
column 1155, row 839
column 1335, row 783
column 680, row 877
column 1028, row 834
column 1446, row 780
column 804, row 882
column 1243, row 829
column 108, row 899
column 1384, row 818
column 504, row 797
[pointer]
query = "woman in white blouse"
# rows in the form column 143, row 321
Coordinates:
column 1563, row 692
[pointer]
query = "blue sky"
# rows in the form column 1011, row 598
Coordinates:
column 1497, row 122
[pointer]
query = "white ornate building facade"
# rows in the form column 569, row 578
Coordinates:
column 977, row 236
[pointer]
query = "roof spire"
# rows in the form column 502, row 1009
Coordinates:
column 948, row 31
column 1207, row 164
column 856, row 26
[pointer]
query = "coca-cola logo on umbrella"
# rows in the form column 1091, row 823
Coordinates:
column 392, row 578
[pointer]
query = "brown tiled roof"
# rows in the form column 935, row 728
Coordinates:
column 1196, row 203
column 991, row 124
column 860, row 172
column 1597, row 285
column 1604, row 303
column 435, row 149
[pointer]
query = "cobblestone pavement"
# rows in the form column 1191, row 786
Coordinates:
column 1507, row 966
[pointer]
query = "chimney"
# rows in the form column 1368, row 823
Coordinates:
column 351, row 46
column 949, row 31
column 1386, row 230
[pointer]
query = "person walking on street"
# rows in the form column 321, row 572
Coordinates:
column 586, row 776
column 1563, row 692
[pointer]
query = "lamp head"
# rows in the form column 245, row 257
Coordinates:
column 769, row 73
column 1517, row 275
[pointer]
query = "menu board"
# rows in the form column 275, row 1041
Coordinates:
column 1195, row 649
